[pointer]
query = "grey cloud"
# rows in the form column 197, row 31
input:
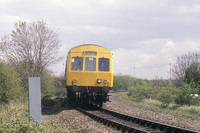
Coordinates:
column 140, row 27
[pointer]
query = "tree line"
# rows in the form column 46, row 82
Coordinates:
column 183, row 88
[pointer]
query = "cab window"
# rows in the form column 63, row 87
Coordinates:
column 90, row 64
column 77, row 64
column 90, row 53
column 103, row 64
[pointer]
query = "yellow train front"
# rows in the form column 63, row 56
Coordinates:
column 89, row 74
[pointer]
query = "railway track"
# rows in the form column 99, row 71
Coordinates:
column 128, row 123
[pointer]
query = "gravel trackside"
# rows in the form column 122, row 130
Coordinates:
column 160, row 116
column 80, row 123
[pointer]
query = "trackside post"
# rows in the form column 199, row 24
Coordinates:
column 34, row 99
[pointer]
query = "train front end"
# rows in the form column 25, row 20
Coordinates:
column 89, row 74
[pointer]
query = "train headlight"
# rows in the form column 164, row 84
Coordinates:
column 105, row 81
column 99, row 81
column 74, row 81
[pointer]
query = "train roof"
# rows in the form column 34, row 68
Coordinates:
column 89, row 47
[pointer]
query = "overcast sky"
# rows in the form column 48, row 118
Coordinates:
column 145, row 36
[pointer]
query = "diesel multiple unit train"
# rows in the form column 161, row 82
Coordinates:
column 89, row 74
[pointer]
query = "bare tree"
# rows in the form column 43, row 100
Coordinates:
column 31, row 47
column 182, row 63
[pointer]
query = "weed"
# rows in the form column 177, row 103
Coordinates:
column 14, row 117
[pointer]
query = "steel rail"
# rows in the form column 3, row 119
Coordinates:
column 152, row 124
column 148, row 126
column 115, row 124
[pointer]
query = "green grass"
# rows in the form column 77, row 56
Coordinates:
column 189, row 110
column 14, row 117
column 193, row 111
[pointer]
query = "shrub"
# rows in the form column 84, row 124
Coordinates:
column 162, row 90
column 143, row 90
column 10, row 84
column 192, row 73
column 123, row 82
column 47, row 85
column 184, row 94
column 166, row 97
column 60, row 85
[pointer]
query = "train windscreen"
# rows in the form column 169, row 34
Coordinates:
column 90, row 64
column 77, row 64
column 104, row 64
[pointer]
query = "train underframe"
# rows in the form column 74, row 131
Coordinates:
column 88, row 95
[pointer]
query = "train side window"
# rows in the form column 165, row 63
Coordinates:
column 77, row 64
column 104, row 64
column 90, row 64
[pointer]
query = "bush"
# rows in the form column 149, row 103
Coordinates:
column 122, row 82
column 163, row 90
column 184, row 94
column 166, row 97
column 143, row 90
column 60, row 85
column 47, row 85
column 192, row 73
column 10, row 84
column 13, row 86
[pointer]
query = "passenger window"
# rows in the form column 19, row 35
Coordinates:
column 104, row 64
column 90, row 64
column 77, row 64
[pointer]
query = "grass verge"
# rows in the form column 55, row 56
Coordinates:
column 192, row 111
column 14, row 117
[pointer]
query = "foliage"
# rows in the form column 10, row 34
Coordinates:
column 33, row 43
column 10, row 84
column 166, row 96
column 47, row 85
column 184, row 94
column 122, row 82
column 193, row 73
column 182, row 63
column 164, row 91
column 48, row 90
column 53, row 87
column 14, row 118
column 30, row 49
column 11, row 88
column 143, row 90
column 190, row 110
column 180, row 90
column 185, row 110
column 60, row 85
